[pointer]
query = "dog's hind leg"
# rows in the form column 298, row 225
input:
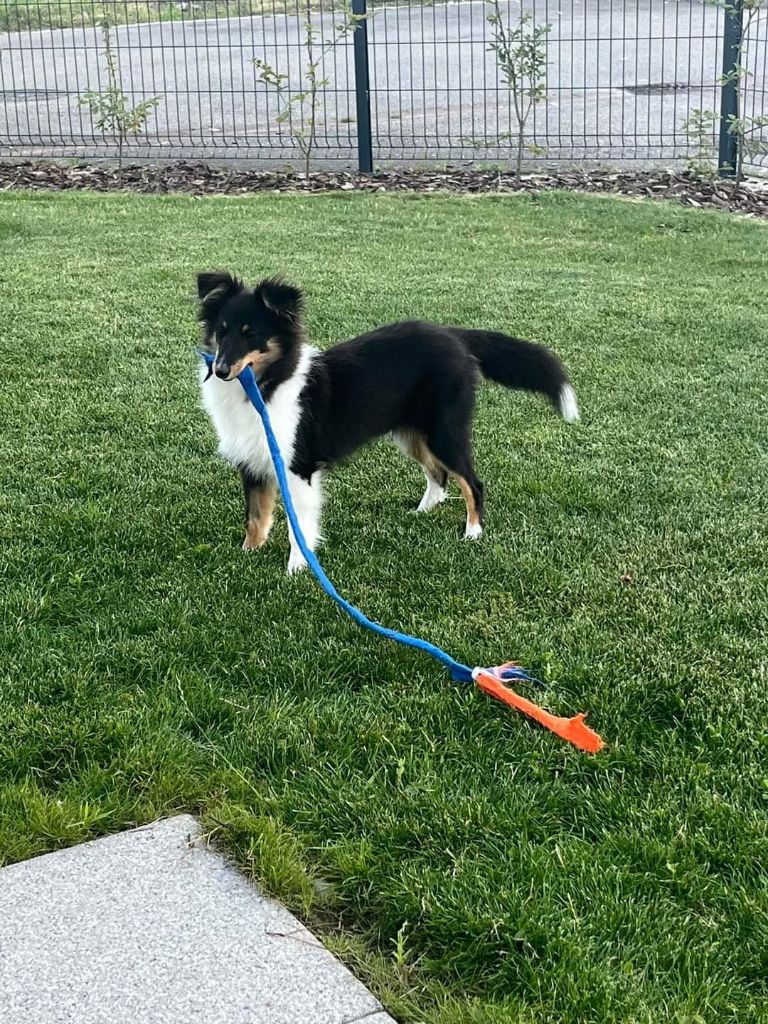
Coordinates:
column 473, row 492
column 437, row 478
column 448, row 441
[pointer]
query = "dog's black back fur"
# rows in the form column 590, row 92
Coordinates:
column 411, row 376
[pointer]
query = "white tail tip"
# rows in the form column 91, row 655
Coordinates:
column 569, row 407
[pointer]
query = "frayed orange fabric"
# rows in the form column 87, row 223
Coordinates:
column 571, row 729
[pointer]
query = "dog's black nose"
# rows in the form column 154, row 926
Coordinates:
column 221, row 370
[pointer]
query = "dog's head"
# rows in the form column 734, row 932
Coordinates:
column 253, row 327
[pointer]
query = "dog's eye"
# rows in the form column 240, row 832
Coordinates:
column 246, row 330
column 223, row 325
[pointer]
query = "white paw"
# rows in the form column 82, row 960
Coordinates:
column 296, row 562
column 473, row 531
column 432, row 498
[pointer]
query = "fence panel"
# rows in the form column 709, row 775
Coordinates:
column 754, row 101
column 201, row 69
column 622, row 77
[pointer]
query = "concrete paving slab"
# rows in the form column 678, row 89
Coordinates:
column 151, row 926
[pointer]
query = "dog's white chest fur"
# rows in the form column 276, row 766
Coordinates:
column 242, row 440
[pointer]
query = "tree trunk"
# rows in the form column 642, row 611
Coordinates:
column 519, row 160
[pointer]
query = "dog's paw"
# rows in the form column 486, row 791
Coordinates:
column 432, row 498
column 256, row 534
column 473, row 531
column 296, row 563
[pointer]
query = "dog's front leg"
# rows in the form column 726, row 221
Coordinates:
column 307, row 500
column 259, row 503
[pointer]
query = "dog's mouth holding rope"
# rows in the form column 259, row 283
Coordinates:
column 258, row 360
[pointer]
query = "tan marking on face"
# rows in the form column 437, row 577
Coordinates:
column 257, row 360
column 261, row 504
column 473, row 519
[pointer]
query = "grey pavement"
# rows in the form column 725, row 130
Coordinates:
column 151, row 926
column 622, row 77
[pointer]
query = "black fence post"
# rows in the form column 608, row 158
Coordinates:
column 729, row 93
column 362, row 89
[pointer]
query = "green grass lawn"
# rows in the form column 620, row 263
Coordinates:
column 20, row 15
column 470, row 866
column 17, row 15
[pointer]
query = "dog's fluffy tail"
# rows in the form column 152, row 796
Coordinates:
column 521, row 364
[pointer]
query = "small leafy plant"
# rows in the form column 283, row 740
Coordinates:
column 750, row 140
column 699, row 126
column 299, row 110
column 109, row 107
column 746, row 130
column 521, row 56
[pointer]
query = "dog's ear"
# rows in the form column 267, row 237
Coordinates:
column 280, row 297
column 216, row 281
column 214, row 288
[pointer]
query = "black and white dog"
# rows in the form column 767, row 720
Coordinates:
column 414, row 380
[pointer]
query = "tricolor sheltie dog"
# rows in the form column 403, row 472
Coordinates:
column 413, row 380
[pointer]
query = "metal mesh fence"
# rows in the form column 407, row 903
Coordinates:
column 622, row 78
column 754, row 102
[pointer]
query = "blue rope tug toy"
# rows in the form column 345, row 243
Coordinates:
column 489, row 680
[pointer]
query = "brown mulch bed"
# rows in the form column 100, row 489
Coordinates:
column 751, row 198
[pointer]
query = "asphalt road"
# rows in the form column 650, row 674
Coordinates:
column 622, row 77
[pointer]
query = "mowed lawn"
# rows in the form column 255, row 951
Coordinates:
column 471, row 867
column 23, row 15
column 20, row 15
